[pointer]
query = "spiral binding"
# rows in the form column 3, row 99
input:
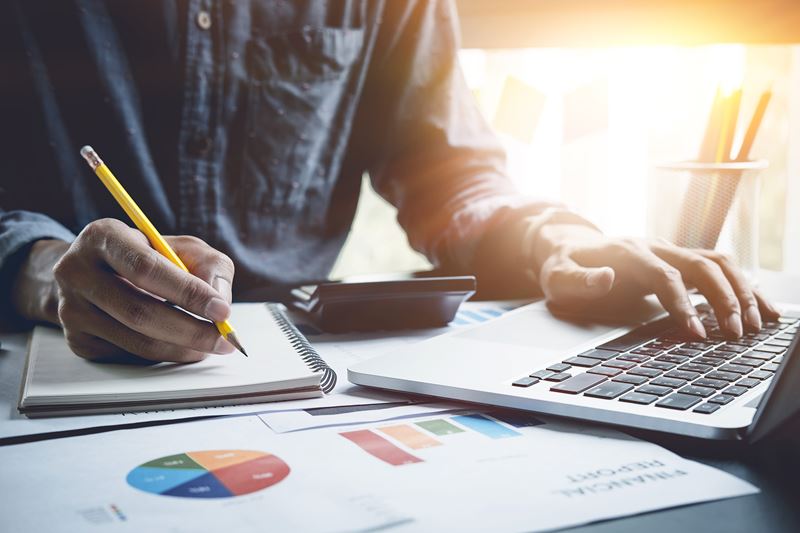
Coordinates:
column 304, row 349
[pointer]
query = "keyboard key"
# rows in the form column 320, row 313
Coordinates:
column 744, row 342
column 778, row 342
column 735, row 391
column 694, row 367
column 725, row 376
column 660, row 365
column 527, row 381
column 582, row 361
column 616, row 363
column 713, row 361
column 685, row 352
column 648, row 372
column 763, row 356
column 578, row 384
column 721, row 399
column 678, row 401
column 770, row 367
column 759, row 374
column 633, row 357
column 668, row 382
column 638, row 397
column 713, row 383
column 605, row 371
column 706, row 408
column 658, row 345
column 778, row 360
column 771, row 349
column 739, row 369
column 542, row 374
column 721, row 355
column 748, row 361
column 748, row 383
column 633, row 380
column 703, row 392
column 608, row 390
column 784, row 337
column 685, row 374
column 647, row 351
column 677, row 359
column 561, row 376
column 602, row 355
column 702, row 346
column 654, row 389
column 636, row 337
column 559, row 367
column 735, row 348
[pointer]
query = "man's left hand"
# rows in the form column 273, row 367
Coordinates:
column 578, row 266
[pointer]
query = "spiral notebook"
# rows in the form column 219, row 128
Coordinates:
column 282, row 366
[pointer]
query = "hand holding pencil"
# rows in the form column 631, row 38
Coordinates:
column 115, row 291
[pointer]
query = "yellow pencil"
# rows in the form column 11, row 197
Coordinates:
column 145, row 226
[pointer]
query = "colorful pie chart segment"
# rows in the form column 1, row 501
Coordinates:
column 209, row 473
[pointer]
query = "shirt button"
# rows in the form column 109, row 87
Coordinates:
column 203, row 20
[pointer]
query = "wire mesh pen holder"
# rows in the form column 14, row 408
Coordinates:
column 709, row 205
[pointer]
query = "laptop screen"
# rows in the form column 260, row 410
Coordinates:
column 781, row 402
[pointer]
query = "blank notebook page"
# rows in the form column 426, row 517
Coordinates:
column 55, row 373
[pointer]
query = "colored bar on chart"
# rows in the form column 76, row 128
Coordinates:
column 379, row 447
column 414, row 439
column 486, row 426
column 439, row 427
column 473, row 316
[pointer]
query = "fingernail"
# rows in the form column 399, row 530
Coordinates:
column 223, row 346
column 593, row 279
column 753, row 317
column 734, row 324
column 697, row 327
column 217, row 310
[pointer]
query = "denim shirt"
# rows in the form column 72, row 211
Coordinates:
column 248, row 124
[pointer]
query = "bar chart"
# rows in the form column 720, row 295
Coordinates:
column 399, row 444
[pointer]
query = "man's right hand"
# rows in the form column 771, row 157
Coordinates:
column 112, row 291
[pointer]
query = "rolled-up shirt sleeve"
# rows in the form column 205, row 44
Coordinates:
column 436, row 159
column 18, row 231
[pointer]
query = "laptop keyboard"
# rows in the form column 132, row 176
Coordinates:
column 657, row 364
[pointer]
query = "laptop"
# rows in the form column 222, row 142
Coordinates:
column 646, row 375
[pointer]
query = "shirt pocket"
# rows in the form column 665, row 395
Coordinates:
column 297, row 84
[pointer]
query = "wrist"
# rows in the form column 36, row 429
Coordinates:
column 551, row 232
column 34, row 293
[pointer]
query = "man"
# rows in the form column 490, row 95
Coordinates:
column 248, row 124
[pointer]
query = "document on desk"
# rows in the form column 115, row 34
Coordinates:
column 466, row 471
column 338, row 350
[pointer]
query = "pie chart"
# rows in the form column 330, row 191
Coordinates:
column 209, row 474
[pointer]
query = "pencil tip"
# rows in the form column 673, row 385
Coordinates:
column 233, row 340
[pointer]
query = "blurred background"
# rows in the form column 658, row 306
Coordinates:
column 590, row 96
